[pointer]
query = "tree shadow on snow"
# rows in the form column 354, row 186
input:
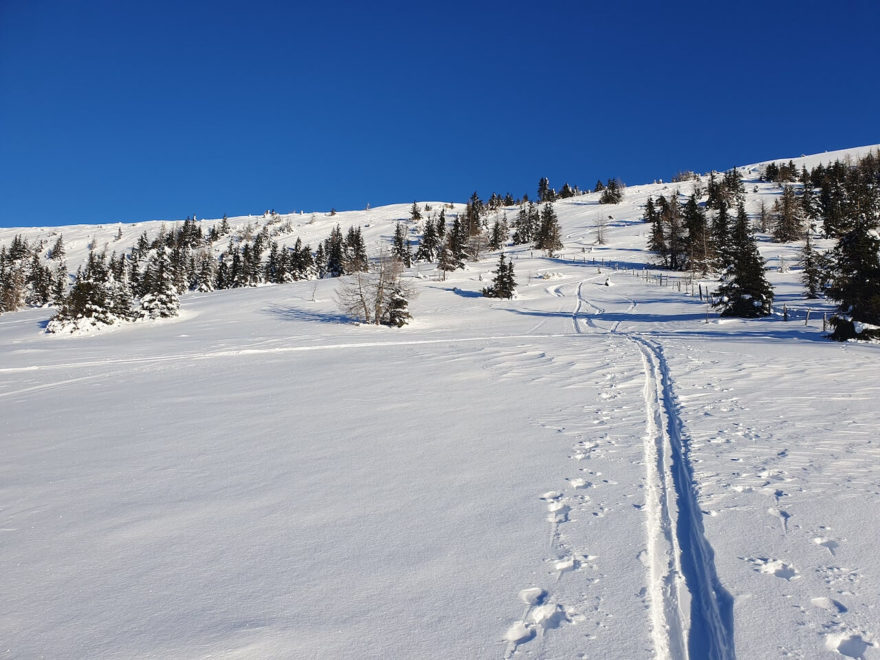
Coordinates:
column 297, row 314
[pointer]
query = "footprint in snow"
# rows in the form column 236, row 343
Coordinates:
column 773, row 567
column 849, row 644
column 829, row 544
column 828, row 604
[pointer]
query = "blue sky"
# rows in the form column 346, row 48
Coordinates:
column 123, row 110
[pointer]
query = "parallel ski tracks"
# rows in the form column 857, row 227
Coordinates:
column 691, row 613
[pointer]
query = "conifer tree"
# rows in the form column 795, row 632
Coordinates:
column 744, row 289
column 612, row 193
column 90, row 302
column 675, row 241
column 59, row 284
column 549, row 236
column 321, row 261
column 440, row 226
column 57, row 252
column 788, row 215
column 503, row 284
column 855, row 283
column 446, row 261
column 334, row 251
column 721, row 237
column 499, row 234
column 161, row 299
column 811, row 262
column 400, row 245
column 398, row 307
column 544, row 190
column 355, row 252
column 430, row 244
column 456, row 243
column 699, row 244
column 415, row 213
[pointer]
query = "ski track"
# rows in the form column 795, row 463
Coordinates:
column 691, row 614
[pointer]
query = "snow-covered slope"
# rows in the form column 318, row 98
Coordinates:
column 598, row 468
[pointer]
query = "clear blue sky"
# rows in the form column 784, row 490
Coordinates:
column 133, row 110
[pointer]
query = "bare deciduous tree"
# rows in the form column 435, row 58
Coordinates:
column 373, row 297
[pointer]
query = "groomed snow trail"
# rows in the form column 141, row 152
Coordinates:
column 691, row 612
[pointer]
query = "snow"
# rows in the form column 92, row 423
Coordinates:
column 584, row 470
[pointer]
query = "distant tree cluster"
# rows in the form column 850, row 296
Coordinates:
column 612, row 191
column 684, row 239
column 839, row 201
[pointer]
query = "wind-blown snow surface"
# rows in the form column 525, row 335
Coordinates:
column 584, row 471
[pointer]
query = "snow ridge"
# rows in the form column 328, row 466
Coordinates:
column 681, row 560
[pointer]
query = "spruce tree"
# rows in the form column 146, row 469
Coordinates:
column 699, row 244
column 400, row 245
column 855, row 283
column 446, row 261
column 788, row 215
column 744, row 289
column 397, row 310
column 499, row 234
column 161, row 299
column 549, row 236
column 430, row 244
column 721, row 237
column 811, row 262
column 612, row 194
column 503, row 284
column 334, row 252
column 456, row 242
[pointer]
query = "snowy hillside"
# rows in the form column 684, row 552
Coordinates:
column 600, row 467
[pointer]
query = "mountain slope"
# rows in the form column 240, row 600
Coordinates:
column 591, row 468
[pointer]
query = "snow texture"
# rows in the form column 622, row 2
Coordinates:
column 583, row 471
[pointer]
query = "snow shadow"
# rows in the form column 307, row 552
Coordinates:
column 297, row 314
column 463, row 293
column 622, row 316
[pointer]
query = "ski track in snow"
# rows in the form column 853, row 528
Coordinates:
column 691, row 614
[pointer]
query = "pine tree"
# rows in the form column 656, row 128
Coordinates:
column 544, row 190
column 334, row 251
column 440, row 225
column 161, row 299
column 612, row 194
column 57, row 252
column 699, row 244
column 415, row 214
column 675, row 242
column 503, row 284
column 499, row 234
column 398, row 307
column 400, row 245
column 549, row 236
column 91, row 302
column 456, row 243
column 446, row 261
column 355, row 258
column 430, row 244
column 811, row 263
column 788, row 216
column 744, row 289
column 855, row 283
column 721, row 237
